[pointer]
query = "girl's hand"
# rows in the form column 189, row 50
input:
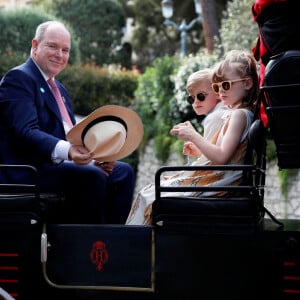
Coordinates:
column 185, row 131
column 190, row 149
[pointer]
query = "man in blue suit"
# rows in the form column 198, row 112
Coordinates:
column 33, row 131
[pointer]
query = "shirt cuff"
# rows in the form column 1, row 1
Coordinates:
column 60, row 151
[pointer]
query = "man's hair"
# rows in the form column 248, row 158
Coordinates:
column 42, row 28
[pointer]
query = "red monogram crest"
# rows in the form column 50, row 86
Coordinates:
column 99, row 255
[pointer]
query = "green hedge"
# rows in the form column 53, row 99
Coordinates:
column 92, row 86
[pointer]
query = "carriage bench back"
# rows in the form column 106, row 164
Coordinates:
column 281, row 95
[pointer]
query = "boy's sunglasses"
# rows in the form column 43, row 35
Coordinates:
column 226, row 85
column 200, row 97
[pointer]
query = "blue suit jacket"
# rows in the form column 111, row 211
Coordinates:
column 30, row 121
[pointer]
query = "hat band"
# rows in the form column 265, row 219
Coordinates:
column 99, row 120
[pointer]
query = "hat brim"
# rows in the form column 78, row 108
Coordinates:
column 133, row 122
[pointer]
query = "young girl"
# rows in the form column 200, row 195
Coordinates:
column 235, row 82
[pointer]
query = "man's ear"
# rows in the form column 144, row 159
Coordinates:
column 34, row 44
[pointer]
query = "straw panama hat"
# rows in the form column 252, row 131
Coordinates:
column 111, row 132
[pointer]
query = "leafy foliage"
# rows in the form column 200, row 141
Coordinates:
column 98, row 23
column 152, row 39
column 238, row 30
column 154, row 100
column 91, row 86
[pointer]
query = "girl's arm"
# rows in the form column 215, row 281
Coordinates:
column 218, row 154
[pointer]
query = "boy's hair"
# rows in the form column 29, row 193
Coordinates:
column 197, row 77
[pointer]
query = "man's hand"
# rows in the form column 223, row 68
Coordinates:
column 80, row 154
column 106, row 166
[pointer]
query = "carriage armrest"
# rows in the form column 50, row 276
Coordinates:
column 164, row 169
column 26, row 197
column 239, row 206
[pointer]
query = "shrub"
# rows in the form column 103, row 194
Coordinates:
column 91, row 86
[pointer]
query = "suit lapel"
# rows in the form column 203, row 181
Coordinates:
column 44, row 89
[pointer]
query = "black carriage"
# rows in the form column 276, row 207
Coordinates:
column 217, row 248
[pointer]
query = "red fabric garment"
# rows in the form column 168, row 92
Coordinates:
column 259, row 5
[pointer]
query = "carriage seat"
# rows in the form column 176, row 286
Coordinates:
column 241, row 208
